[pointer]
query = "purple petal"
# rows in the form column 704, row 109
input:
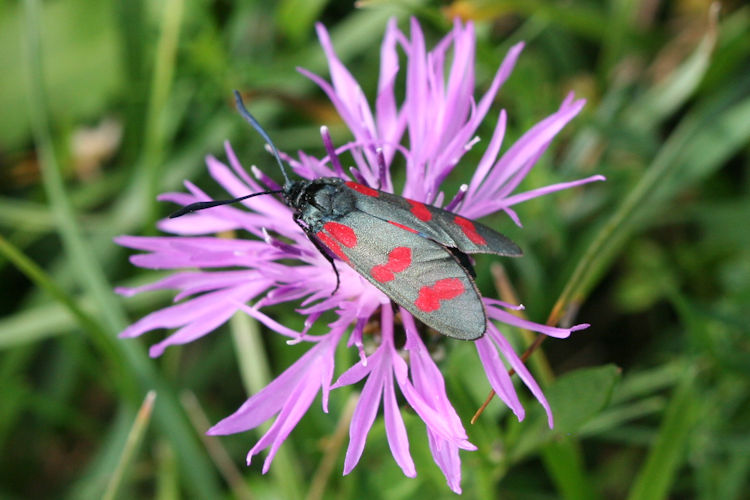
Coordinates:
column 211, row 317
column 184, row 313
column 503, row 72
column 238, row 169
column 497, row 375
column 198, row 223
column 294, row 409
column 490, row 154
column 346, row 86
column 523, row 373
column 331, row 150
column 446, row 457
column 177, row 252
column 508, row 172
column 356, row 373
column 434, row 420
column 511, row 319
column 396, row 430
column 266, row 320
column 500, row 303
column 535, row 193
column 367, row 409
column 428, row 380
column 269, row 401
column 389, row 122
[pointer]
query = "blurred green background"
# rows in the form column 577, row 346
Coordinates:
column 106, row 104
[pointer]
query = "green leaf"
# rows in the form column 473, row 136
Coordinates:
column 296, row 17
column 578, row 396
column 575, row 398
column 564, row 462
column 132, row 443
column 668, row 452
column 664, row 98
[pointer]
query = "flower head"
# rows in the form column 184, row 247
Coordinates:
column 439, row 116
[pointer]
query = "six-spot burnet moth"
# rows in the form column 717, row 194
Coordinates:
column 416, row 254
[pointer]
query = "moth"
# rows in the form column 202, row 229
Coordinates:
column 417, row 254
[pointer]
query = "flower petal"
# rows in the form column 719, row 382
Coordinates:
column 366, row 410
column 446, row 457
column 294, row 409
column 396, row 430
column 496, row 313
column 498, row 376
column 520, row 368
column 270, row 400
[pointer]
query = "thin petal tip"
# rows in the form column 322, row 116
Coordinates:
column 517, row 48
column 409, row 471
column 156, row 350
column 125, row 291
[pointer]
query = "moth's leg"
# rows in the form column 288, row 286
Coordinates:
column 321, row 248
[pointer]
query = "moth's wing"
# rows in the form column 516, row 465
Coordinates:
column 415, row 272
column 473, row 237
column 444, row 227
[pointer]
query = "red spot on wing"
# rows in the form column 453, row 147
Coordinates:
column 341, row 233
column 331, row 243
column 469, row 230
column 420, row 211
column 445, row 289
column 367, row 191
column 403, row 227
column 399, row 259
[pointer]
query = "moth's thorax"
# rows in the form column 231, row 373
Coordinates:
column 320, row 200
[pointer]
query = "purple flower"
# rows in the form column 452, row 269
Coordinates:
column 438, row 120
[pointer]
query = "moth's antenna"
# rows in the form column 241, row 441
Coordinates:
column 252, row 121
column 202, row 205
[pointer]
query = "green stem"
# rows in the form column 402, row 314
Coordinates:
column 134, row 439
